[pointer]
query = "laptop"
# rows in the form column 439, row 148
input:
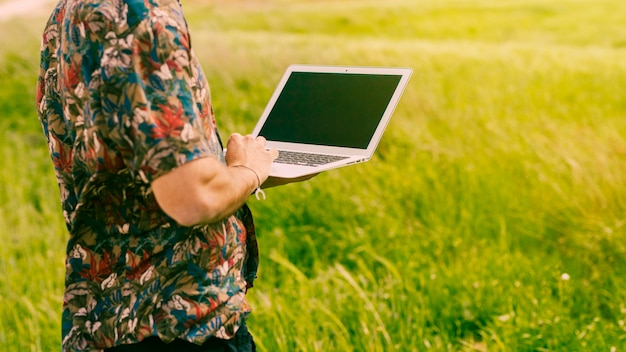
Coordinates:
column 325, row 117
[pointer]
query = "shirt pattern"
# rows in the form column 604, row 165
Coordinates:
column 122, row 100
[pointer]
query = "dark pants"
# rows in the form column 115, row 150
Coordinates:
column 241, row 342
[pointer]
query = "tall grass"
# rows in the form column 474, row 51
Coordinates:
column 491, row 218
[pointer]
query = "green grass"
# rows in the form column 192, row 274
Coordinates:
column 491, row 218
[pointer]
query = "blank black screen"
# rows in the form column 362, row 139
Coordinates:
column 335, row 109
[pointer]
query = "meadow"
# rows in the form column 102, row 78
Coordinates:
column 492, row 217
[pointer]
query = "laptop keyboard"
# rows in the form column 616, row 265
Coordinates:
column 306, row 159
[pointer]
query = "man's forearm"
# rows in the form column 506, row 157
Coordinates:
column 203, row 191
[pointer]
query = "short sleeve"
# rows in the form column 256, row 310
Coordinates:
column 147, row 91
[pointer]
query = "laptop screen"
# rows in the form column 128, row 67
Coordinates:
column 334, row 109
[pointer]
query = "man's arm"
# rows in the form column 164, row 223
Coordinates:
column 205, row 190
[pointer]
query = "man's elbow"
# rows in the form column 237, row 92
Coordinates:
column 184, row 219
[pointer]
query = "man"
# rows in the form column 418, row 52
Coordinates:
column 162, row 246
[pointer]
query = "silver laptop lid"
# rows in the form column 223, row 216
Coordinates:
column 332, row 109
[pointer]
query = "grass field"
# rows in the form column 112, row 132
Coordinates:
column 492, row 218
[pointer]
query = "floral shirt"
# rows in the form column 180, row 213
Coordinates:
column 122, row 100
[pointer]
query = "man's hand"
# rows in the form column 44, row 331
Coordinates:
column 278, row 181
column 250, row 152
column 204, row 190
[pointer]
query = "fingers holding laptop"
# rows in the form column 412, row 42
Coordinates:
column 250, row 152
column 279, row 181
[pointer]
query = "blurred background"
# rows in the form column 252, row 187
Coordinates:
column 492, row 217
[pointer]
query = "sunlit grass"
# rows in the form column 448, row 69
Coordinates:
column 491, row 217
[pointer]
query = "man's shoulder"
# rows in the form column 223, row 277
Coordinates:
column 107, row 21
